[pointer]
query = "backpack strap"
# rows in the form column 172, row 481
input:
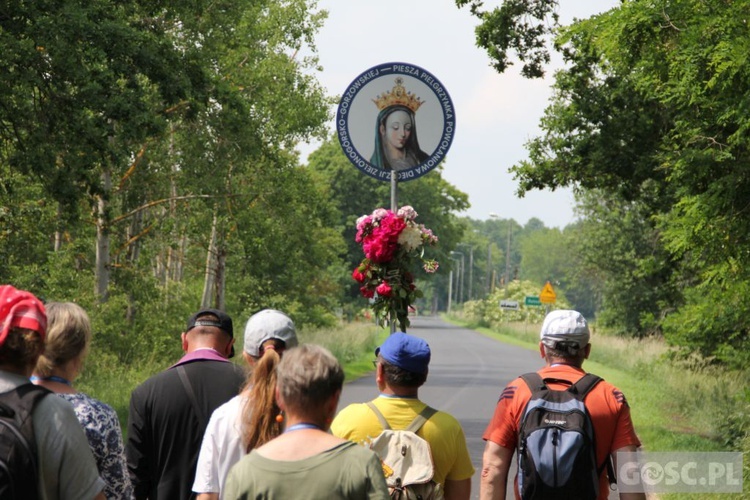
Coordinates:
column 414, row 426
column 534, row 381
column 584, row 385
column 580, row 389
column 421, row 419
column 381, row 418
column 191, row 394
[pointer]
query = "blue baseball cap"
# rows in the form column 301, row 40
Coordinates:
column 405, row 351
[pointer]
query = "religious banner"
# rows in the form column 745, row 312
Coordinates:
column 395, row 117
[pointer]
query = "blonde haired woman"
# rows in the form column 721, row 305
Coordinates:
column 66, row 346
column 306, row 461
column 252, row 418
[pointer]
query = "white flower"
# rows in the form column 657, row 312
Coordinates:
column 407, row 212
column 410, row 238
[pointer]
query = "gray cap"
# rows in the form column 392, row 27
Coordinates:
column 565, row 326
column 265, row 325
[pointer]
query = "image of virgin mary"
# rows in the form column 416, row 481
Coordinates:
column 396, row 144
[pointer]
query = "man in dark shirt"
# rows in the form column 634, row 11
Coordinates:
column 169, row 411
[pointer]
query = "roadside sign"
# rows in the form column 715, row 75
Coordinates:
column 548, row 296
column 532, row 301
column 509, row 304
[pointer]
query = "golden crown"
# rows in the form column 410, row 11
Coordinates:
column 398, row 96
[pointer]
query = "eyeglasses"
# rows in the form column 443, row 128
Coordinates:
column 375, row 363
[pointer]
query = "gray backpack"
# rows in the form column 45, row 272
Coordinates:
column 19, row 466
column 407, row 459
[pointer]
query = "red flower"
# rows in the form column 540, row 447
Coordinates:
column 358, row 276
column 367, row 293
column 384, row 289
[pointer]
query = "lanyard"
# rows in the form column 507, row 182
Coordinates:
column 51, row 378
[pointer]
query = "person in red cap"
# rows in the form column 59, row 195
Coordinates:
column 66, row 466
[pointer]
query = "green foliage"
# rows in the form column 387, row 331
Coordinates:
column 194, row 111
column 519, row 27
column 720, row 310
column 648, row 124
column 487, row 312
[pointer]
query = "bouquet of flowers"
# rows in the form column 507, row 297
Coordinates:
column 393, row 244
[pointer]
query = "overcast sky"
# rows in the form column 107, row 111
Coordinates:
column 495, row 114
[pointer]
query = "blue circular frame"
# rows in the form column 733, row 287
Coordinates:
column 389, row 70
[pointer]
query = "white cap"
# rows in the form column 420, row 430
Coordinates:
column 265, row 325
column 565, row 326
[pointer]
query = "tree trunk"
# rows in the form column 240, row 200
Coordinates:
column 210, row 274
column 58, row 229
column 220, row 282
column 102, row 238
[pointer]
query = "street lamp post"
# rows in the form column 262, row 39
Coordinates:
column 460, row 278
column 450, row 290
column 507, row 259
column 507, row 251
column 471, row 269
column 489, row 267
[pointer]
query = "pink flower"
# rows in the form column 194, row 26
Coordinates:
column 407, row 212
column 382, row 243
column 367, row 293
column 384, row 289
column 427, row 235
column 379, row 213
column 430, row 266
column 363, row 221
column 364, row 225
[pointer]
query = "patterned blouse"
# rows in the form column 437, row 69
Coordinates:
column 103, row 432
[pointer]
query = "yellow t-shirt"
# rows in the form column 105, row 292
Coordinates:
column 442, row 431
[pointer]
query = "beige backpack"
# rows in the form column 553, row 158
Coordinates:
column 406, row 459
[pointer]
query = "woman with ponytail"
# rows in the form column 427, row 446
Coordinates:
column 252, row 418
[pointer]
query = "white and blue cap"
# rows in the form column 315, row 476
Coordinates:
column 266, row 325
column 566, row 327
column 406, row 351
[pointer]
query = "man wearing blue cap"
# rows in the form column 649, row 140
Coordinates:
column 402, row 366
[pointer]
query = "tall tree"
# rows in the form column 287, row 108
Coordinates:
column 649, row 120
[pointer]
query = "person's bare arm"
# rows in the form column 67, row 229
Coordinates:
column 207, row 496
column 627, row 496
column 457, row 490
column 495, row 465
column 100, row 496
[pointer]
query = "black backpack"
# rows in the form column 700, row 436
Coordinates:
column 556, row 442
column 19, row 471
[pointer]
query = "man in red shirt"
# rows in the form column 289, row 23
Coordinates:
column 564, row 345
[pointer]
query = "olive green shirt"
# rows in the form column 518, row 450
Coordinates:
column 346, row 471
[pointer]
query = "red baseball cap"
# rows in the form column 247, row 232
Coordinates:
column 20, row 309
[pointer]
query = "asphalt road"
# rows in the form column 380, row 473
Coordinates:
column 467, row 373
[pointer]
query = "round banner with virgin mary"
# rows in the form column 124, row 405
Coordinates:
column 395, row 117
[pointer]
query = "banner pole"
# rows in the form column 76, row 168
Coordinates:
column 394, row 209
